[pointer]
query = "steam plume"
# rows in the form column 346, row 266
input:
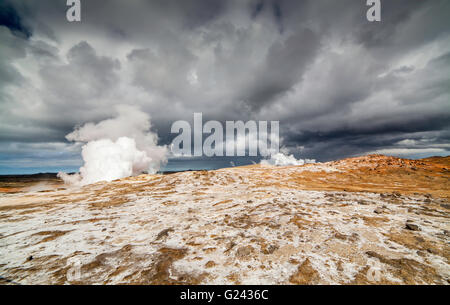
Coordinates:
column 117, row 148
column 281, row 159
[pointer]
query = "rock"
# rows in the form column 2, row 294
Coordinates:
column 354, row 237
column 445, row 206
column 412, row 227
column 210, row 264
column 340, row 236
column 372, row 254
column 230, row 246
column 339, row 266
column 378, row 210
column 270, row 249
column 30, row 258
column 294, row 261
column 419, row 239
column 164, row 233
column 244, row 252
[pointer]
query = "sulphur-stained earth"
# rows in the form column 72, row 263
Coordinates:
column 365, row 220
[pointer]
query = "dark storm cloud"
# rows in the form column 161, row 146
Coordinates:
column 283, row 67
column 274, row 5
column 11, row 19
column 397, row 15
column 68, row 81
column 338, row 84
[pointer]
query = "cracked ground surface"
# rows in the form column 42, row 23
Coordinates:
column 365, row 220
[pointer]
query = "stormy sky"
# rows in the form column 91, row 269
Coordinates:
column 339, row 85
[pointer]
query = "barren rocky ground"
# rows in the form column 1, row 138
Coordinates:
column 365, row 220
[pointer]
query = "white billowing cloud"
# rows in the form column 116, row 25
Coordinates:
column 106, row 160
column 116, row 148
column 281, row 159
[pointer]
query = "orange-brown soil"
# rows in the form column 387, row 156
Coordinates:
column 364, row 220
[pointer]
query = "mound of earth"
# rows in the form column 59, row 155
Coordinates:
column 364, row 220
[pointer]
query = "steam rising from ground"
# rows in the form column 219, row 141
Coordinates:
column 117, row 148
column 282, row 159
